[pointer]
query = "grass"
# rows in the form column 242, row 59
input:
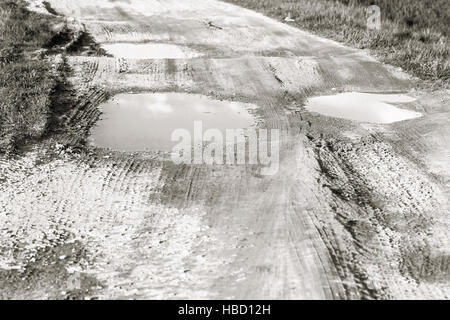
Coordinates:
column 414, row 34
column 26, row 79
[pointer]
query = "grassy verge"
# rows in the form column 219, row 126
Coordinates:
column 414, row 34
column 27, row 80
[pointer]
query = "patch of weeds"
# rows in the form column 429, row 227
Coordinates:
column 26, row 79
column 87, row 45
column 49, row 8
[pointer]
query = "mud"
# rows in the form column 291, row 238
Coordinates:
column 357, row 210
column 149, row 51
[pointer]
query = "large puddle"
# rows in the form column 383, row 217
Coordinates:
column 149, row 51
column 143, row 122
column 363, row 107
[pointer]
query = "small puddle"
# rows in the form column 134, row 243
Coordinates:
column 363, row 107
column 143, row 122
column 149, row 51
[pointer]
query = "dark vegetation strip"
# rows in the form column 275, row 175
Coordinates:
column 27, row 78
column 414, row 34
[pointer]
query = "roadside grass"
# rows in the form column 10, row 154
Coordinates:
column 414, row 34
column 26, row 79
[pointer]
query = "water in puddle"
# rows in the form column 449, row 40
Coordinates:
column 149, row 51
column 140, row 122
column 363, row 107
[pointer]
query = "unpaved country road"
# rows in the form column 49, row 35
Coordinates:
column 355, row 211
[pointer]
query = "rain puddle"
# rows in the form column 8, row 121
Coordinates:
column 142, row 122
column 363, row 107
column 149, row 51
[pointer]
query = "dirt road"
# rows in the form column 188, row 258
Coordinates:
column 355, row 211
